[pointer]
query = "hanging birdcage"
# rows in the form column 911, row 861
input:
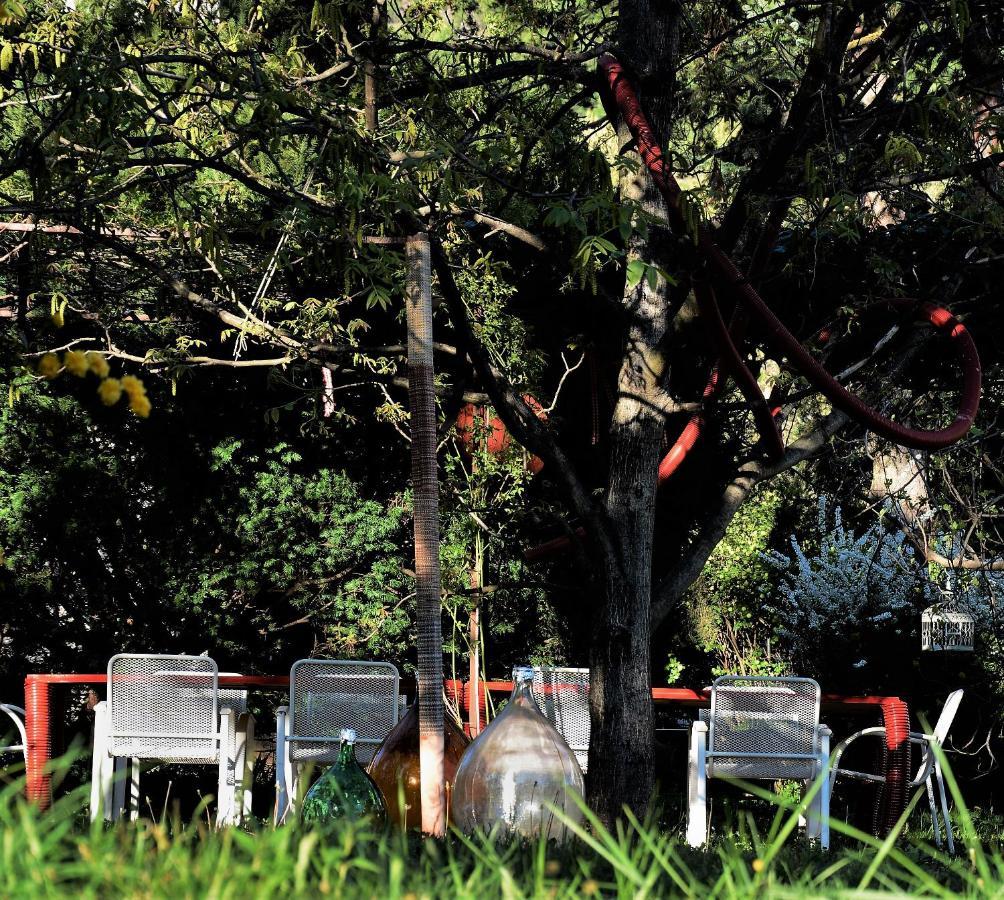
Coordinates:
column 947, row 626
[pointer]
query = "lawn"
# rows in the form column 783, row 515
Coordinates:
column 58, row 854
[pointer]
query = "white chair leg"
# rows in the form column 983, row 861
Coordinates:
column 100, row 769
column 808, row 820
column 134, row 789
column 281, row 787
column 697, row 786
column 824, row 788
column 120, row 774
column 929, row 787
column 227, row 789
column 246, row 756
column 944, row 808
column 292, row 777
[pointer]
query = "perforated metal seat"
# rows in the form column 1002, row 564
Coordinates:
column 170, row 709
column 760, row 728
column 325, row 696
column 563, row 696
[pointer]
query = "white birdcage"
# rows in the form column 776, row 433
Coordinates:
column 947, row 626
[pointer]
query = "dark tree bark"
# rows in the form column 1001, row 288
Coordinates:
column 622, row 749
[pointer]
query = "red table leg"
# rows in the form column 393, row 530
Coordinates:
column 38, row 753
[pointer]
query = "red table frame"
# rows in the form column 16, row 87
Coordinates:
column 894, row 711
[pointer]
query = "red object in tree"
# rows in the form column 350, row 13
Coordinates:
column 721, row 268
column 473, row 424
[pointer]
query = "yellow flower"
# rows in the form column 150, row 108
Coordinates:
column 98, row 364
column 75, row 362
column 133, row 387
column 48, row 366
column 140, row 405
column 109, row 391
column 590, row 888
column 759, row 865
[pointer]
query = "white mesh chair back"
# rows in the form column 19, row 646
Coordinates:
column 233, row 698
column 763, row 727
column 163, row 707
column 563, row 696
column 948, row 711
column 327, row 695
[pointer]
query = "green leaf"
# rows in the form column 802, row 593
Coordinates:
column 635, row 272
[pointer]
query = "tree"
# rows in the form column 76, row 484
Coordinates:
column 163, row 136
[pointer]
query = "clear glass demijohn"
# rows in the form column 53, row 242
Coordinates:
column 518, row 767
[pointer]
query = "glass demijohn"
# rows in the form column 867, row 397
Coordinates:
column 395, row 767
column 344, row 790
column 516, row 768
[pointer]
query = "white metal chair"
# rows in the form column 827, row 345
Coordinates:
column 563, row 696
column 928, row 772
column 760, row 729
column 325, row 696
column 169, row 709
column 16, row 715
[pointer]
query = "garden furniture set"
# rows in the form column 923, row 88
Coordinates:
column 180, row 709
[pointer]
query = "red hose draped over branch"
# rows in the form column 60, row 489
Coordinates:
column 725, row 272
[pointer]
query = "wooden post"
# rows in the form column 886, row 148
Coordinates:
column 425, row 484
column 474, row 639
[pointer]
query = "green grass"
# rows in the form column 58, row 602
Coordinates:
column 59, row 854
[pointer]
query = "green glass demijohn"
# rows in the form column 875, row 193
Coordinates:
column 517, row 772
column 344, row 791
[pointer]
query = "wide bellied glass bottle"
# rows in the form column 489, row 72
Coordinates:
column 344, row 790
column 396, row 772
column 516, row 769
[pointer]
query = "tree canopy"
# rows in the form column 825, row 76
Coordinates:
column 212, row 198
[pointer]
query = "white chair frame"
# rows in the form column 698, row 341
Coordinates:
column 115, row 779
column 703, row 754
column 16, row 715
column 288, row 771
column 928, row 773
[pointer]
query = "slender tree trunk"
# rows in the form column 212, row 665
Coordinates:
column 622, row 750
column 425, row 484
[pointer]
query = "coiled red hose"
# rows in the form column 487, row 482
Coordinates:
column 892, row 800
column 722, row 268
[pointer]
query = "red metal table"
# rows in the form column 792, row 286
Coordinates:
column 894, row 711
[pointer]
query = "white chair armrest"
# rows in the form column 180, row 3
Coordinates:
column 16, row 714
column 838, row 752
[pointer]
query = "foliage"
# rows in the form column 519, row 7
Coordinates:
column 726, row 604
column 122, row 534
column 842, row 606
column 301, row 544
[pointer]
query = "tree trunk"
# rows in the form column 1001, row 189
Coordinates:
column 622, row 751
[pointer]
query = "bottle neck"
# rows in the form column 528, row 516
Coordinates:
column 346, row 753
column 522, row 692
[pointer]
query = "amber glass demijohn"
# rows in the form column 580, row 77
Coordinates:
column 344, row 790
column 518, row 767
column 395, row 767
